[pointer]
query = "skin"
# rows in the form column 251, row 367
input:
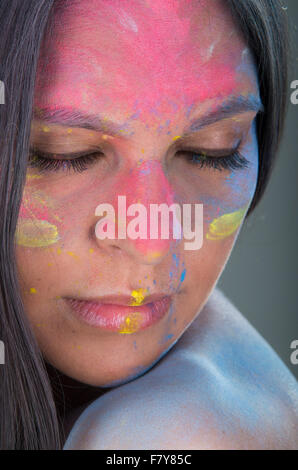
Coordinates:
column 151, row 68
column 221, row 387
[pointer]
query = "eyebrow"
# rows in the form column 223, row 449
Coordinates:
column 70, row 117
column 75, row 118
column 231, row 107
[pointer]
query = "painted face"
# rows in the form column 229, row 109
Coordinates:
column 155, row 101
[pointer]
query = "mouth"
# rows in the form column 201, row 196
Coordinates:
column 121, row 314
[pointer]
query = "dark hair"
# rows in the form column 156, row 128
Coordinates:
column 28, row 416
column 265, row 28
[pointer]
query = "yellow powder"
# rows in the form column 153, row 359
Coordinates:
column 138, row 296
column 131, row 324
column 36, row 233
column 224, row 226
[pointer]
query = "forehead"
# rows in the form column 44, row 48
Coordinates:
column 143, row 56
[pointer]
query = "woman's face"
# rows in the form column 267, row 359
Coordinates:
column 164, row 95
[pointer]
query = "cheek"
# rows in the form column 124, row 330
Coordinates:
column 38, row 236
column 226, row 207
column 225, row 195
column 226, row 212
column 50, row 216
column 39, row 223
column 225, row 199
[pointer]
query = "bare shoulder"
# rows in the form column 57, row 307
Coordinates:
column 221, row 386
column 253, row 386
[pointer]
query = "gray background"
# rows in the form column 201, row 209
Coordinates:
column 261, row 275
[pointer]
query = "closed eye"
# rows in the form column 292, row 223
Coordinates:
column 78, row 162
column 231, row 162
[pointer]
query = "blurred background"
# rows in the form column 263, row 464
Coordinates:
column 265, row 254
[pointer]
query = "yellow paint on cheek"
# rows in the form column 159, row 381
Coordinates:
column 138, row 296
column 73, row 255
column 224, row 226
column 32, row 290
column 131, row 324
column 36, row 233
column 30, row 177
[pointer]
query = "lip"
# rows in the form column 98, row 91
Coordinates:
column 116, row 313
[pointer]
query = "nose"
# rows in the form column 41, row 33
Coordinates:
column 146, row 223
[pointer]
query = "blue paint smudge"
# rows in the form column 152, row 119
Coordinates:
column 189, row 108
column 183, row 275
column 166, row 338
column 176, row 259
column 135, row 115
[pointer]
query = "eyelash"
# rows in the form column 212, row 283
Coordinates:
column 234, row 161
column 45, row 162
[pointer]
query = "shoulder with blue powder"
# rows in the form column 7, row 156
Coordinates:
column 221, row 386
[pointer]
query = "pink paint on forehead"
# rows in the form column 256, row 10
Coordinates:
column 140, row 55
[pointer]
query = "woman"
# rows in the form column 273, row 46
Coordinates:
column 160, row 102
